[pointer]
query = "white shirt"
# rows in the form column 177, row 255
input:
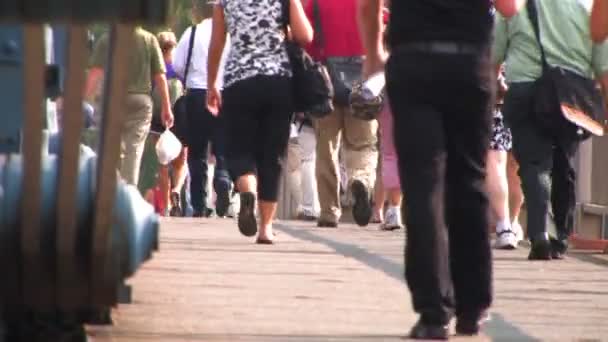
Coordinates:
column 197, row 74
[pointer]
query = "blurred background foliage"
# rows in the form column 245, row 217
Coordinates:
column 178, row 20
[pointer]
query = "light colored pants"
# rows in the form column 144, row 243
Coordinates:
column 308, row 157
column 390, row 169
column 360, row 157
column 137, row 120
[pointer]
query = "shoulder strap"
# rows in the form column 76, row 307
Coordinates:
column 319, row 36
column 285, row 5
column 189, row 58
column 533, row 16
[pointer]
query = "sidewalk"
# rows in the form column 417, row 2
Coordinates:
column 208, row 283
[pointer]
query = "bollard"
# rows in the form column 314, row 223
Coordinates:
column 134, row 232
column 70, row 231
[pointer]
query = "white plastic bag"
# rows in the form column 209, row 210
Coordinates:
column 168, row 147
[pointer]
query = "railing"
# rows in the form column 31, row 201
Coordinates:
column 71, row 232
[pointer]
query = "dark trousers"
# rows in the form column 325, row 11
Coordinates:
column 259, row 113
column 442, row 117
column 546, row 167
column 204, row 128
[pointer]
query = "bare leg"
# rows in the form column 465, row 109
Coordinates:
column 247, row 183
column 379, row 198
column 179, row 170
column 497, row 185
column 165, row 188
column 267, row 214
column 516, row 196
column 394, row 197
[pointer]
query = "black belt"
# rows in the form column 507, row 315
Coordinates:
column 195, row 90
column 448, row 48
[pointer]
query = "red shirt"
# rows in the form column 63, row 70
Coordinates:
column 339, row 26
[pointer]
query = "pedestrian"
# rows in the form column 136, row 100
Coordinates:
column 440, row 83
column 338, row 45
column 257, row 102
column 171, row 177
column 146, row 66
column 508, row 232
column 546, row 150
column 203, row 128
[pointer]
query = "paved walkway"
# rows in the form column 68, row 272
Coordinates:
column 208, row 283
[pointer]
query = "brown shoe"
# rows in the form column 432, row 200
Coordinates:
column 327, row 224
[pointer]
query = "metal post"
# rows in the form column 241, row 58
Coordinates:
column 103, row 284
column 72, row 275
column 11, row 87
column 35, row 269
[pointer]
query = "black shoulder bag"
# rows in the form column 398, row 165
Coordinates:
column 312, row 87
column 344, row 71
column 567, row 105
column 179, row 108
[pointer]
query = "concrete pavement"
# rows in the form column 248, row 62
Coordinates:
column 208, row 283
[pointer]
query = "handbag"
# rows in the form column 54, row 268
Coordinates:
column 566, row 105
column 312, row 88
column 343, row 71
column 179, row 107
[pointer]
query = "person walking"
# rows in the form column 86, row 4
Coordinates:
column 440, row 83
column 338, row 45
column 501, row 189
column 146, row 67
column 257, row 101
column 171, row 178
column 546, row 153
column 203, row 128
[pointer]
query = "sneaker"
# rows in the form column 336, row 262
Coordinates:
column 506, row 239
column 362, row 206
column 307, row 215
column 392, row 219
column 222, row 202
column 247, row 222
column 205, row 213
column 519, row 231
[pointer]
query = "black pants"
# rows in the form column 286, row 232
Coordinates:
column 546, row 166
column 442, row 118
column 258, row 113
column 204, row 128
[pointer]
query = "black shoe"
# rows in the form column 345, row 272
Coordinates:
column 362, row 208
column 558, row 248
column 541, row 250
column 206, row 212
column 470, row 325
column 424, row 331
column 247, row 223
column 222, row 203
column 176, row 208
column 327, row 224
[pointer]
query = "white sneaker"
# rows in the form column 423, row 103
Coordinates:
column 392, row 219
column 519, row 231
column 506, row 239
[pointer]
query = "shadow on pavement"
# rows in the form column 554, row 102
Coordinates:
column 498, row 329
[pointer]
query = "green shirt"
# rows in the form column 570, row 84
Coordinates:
column 175, row 91
column 565, row 35
column 145, row 61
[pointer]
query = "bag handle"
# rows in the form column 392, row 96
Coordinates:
column 189, row 58
column 286, row 5
column 533, row 16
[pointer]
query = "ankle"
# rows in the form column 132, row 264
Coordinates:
column 503, row 225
